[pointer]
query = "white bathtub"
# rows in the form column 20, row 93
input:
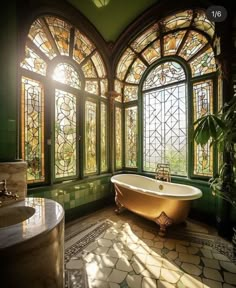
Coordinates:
column 163, row 202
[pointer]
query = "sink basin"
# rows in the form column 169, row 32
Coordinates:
column 14, row 215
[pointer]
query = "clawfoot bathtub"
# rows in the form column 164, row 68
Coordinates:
column 162, row 202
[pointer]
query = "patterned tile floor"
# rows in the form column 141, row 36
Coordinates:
column 131, row 254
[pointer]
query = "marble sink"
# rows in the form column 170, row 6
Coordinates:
column 13, row 215
column 32, row 243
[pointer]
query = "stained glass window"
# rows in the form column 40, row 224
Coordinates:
column 104, row 160
column 65, row 134
column 32, row 133
column 66, row 74
column 172, row 42
column 90, row 137
column 33, row 62
column 204, row 63
column 165, row 126
column 39, row 37
column 165, row 86
column 202, row 100
column 193, row 44
column 130, row 93
column 118, row 137
column 164, row 74
column 76, row 67
column 131, row 131
column 60, row 31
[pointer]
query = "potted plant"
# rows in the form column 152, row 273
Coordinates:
column 220, row 129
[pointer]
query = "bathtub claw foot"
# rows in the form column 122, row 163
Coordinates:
column 120, row 208
column 163, row 221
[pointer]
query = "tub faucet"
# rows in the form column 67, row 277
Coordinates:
column 4, row 193
column 163, row 172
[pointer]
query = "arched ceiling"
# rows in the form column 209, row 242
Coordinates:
column 112, row 19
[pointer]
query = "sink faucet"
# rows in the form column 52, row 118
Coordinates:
column 4, row 193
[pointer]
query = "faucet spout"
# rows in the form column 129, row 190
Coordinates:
column 4, row 193
column 163, row 172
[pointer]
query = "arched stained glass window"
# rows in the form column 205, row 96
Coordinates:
column 168, row 75
column 63, row 76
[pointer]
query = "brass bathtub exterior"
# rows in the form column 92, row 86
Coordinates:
column 163, row 211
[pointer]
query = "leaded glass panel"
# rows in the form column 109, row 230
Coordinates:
column 202, row 22
column 104, row 87
column 194, row 42
column 172, row 42
column 118, row 137
column 92, row 87
column 33, row 62
column 65, row 134
column 32, row 133
column 82, row 47
column 178, row 20
column 202, row 101
column 61, row 33
column 90, row 137
column 118, row 89
column 153, row 52
column 131, row 131
column 40, row 39
column 147, row 37
column 124, row 63
column 104, row 160
column 164, row 74
column 130, row 93
column 66, row 74
column 165, row 128
column 89, row 70
column 136, row 72
column 204, row 63
column 98, row 63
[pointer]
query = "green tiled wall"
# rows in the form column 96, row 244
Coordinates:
column 76, row 194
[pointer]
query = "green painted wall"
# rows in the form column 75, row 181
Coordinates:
column 112, row 19
column 8, row 86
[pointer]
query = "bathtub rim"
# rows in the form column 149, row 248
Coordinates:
column 196, row 195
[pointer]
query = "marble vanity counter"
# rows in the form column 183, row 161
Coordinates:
column 48, row 214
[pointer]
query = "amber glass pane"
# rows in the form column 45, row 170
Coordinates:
column 178, row 20
column 118, row 137
column 66, row 74
column 131, row 130
column 32, row 133
column 40, row 39
column 147, row 37
column 202, row 100
column 104, row 160
column 172, row 42
column 89, row 70
column 130, row 93
column 33, row 62
column 164, row 74
column 90, row 137
column 65, row 134
column 60, row 31
column 98, row 63
column 124, row 63
column 204, row 63
column 136, row 72
column 153, row 52
column 82, row 47
column 92, row 87
column 194, row 42
column 201, row 22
